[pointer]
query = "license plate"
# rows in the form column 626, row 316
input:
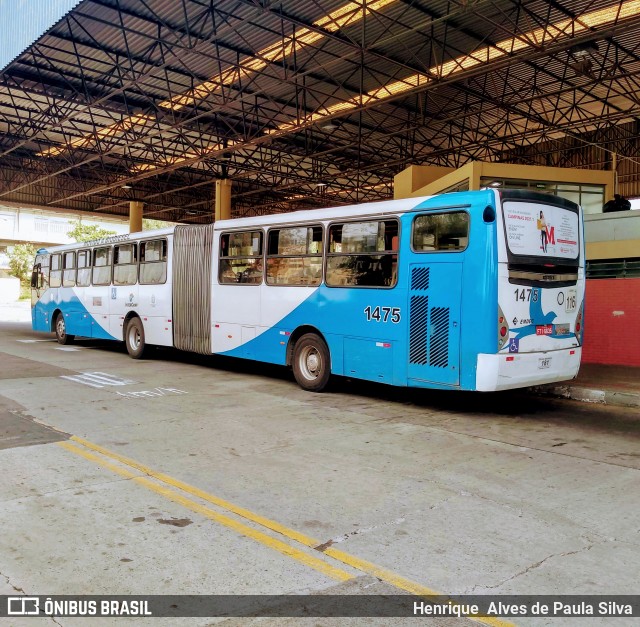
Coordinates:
column 571, row 301
column 544, row 362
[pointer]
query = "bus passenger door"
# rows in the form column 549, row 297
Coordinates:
column 97, row 304
column 434, row 322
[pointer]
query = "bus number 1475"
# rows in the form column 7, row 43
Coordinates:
column 382, row 314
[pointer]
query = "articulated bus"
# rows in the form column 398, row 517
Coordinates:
column 479, row 290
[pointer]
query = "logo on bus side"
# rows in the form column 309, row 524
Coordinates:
column 130, row 302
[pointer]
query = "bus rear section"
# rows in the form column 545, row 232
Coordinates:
column 541, row 286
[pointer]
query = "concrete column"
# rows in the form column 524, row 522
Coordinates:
column 223, row 199
column 135, row 216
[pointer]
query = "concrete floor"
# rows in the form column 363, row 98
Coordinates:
column 376, row 490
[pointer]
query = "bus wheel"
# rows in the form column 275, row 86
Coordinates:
column 311, row 363
column 61, row 331
column 134, row 338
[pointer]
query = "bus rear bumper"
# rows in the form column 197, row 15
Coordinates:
column 517, row 370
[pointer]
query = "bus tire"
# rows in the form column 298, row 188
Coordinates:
column 61, row 330
column 134, row 338
column 311, row 363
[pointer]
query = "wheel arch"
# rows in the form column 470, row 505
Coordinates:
column 297, row 334
column 52, row 320
column 130, row 315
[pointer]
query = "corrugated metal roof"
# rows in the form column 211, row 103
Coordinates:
column 88, row 105
column 22, row 22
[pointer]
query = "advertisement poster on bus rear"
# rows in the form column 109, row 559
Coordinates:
column 541, row 230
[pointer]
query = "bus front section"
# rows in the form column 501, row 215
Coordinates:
column 541, row 283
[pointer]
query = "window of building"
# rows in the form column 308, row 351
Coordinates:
column 83, row 276
column 58, row 226
column 69, row 271
column 294, row 256
column 41, row 225
column 462, row 186
column 55, row 271
column 363, row 254
column 101, row 266
column 613, row 268
column 441, row 232
column 241, row 257
column 153, row 262
column 125, row 264
column 589, row 197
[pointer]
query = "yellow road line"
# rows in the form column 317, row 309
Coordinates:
column 258, row 536
column 205, row 496
column 379, row 572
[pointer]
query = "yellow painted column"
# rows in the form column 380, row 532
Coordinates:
column 135, row 216
column 476, row 174
column 223, row 199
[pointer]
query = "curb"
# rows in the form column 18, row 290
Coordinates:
column 590, row 395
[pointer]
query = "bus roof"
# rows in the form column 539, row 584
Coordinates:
column 308, row 215
column 372, row 209
column 317, row 215
column 113, row 239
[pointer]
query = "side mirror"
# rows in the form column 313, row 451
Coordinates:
column 36, row 277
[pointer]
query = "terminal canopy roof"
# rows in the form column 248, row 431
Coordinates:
column 306, row 104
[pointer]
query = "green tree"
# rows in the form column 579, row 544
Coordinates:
column 149, row 225
column 21, row 259
column 87, row 232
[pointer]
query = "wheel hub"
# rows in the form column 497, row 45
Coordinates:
column 312, row 363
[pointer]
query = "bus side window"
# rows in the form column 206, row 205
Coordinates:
column 101, row 266
column 240, row 258
column 294, row 256
column 125, row 264
column 153, row 262
column 441, row 232
column 44, row 261
column 83, row 276
column 363, row 254
column 69, row 269
column 55, row 271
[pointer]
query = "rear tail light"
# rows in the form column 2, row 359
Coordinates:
column 503, row 329
column 579, row 327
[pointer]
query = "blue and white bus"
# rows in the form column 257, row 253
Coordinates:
column 478, row 290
